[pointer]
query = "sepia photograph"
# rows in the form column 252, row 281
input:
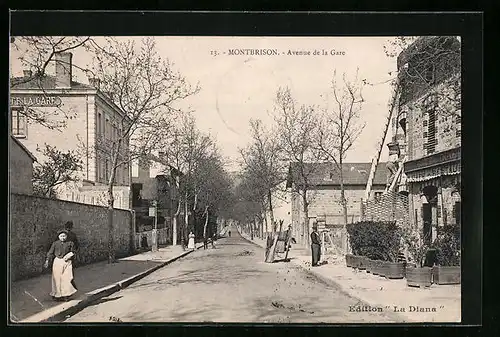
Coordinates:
column 235, row 179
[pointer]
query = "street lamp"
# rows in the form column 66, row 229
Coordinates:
column 153, row 211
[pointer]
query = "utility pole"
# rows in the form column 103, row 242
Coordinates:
column 154, row 233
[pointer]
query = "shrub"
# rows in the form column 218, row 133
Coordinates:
column 375, row 239
column 447, row 246
column 416, row 244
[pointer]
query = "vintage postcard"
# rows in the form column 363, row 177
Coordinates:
column 235, row 179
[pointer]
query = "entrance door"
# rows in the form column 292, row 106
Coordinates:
column 427, row 220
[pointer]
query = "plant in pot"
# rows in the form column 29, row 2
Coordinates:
column 416, row 274
column 447, row 269
column 355, row 237
column 392, row 268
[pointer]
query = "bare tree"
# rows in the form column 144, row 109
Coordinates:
column 262, row 161
column 340, row 127
column 297, row 127
column 37, row 54
column 145, row 88
column 186, row 148
column 57, row 168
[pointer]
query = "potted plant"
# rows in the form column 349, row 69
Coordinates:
column 416, row 274
column 447, row 269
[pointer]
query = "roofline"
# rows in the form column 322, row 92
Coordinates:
column 24, row 148
column 111, row 104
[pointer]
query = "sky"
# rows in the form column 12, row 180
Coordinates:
column 236, row 88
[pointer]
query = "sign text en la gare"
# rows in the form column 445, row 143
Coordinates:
column 35, row 100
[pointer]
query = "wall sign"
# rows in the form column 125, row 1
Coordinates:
column 35, row 100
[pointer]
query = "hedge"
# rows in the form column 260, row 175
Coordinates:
column 377, row 240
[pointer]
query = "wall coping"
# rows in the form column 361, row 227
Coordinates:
column 68, row 201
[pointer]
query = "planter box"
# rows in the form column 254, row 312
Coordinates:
column 394, row 270
column 374, row 265
column 356, row 261
column 363, row 263
column 348, row 260
column 382, row 268
column 419, row 277
column 446, row 274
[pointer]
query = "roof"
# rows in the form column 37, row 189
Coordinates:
column 44, row 82
column 353, row 174
column 23, row 148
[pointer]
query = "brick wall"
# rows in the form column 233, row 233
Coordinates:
column 387, row 207
column 20, row 169
column 34, row 223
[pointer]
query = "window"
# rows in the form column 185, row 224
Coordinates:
column 99, row 124
column 425, row 123
column 107, row 130
column 18, row 123
column 106, row 170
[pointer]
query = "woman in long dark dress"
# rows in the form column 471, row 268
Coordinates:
column 61, row 253
column 315, row 246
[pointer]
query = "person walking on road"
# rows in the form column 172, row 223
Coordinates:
column 61, row 254
column 315, row 246
column 68, row 226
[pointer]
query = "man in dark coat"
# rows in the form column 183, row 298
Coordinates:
column 315, row 246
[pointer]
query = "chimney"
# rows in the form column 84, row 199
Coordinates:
column 27, row 73
column 63, row 70
column 94, row 82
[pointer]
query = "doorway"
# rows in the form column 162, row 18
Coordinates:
column 429, row 212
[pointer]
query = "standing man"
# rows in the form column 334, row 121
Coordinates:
column 315, row 245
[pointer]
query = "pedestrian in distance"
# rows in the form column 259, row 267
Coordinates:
column 214, row 240
column 315, row 246
column 229, row 233
column 191, row 241
column 61, row 255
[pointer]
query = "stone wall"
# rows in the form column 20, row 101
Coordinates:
column 388, row 207
column 34, row 223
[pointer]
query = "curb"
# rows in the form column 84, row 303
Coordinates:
column 61, row 311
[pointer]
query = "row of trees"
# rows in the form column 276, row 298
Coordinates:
column 305, row 134
column 300, row 136
column 146, row 88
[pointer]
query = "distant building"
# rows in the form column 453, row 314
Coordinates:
column 152, row 182
column 95, row 122
column 20, row 167
column 324, row 193
column 427, row 129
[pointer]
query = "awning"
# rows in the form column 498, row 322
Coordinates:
column 434, row 172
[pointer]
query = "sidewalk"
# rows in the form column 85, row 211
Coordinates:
column 380, row 292
column 31, row 296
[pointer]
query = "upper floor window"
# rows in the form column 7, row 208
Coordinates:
column 18, row 122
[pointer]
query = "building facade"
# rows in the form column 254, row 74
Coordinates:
column 72, row 116
column 427, row 131
column 153, row 182
column 20, row 167
column 324, row 193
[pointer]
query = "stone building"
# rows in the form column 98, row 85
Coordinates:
column 324, row 193
column 427, row 130
column 92, row 122
column 20, row 167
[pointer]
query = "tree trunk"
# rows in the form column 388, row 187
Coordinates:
column 265, row 221
column 344, row 207
column 206, row 224
column 271, row 214
column 111, row 200
column 186, row 222
column 306, row 218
